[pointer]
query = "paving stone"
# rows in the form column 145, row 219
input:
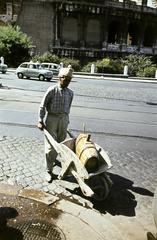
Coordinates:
column 38, row 195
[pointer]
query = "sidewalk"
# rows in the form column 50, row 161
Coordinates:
column 63, row 220
column 44, row 209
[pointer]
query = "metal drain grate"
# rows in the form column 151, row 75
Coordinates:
column 40, row 230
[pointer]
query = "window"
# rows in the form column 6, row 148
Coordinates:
column 32, row 66
column 24, row 65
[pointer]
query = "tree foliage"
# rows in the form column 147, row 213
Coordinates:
column 14, row 45
column 75, row 63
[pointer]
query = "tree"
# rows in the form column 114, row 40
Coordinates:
column 14, row 45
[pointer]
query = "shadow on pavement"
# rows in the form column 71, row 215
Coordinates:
column 7, row 232
column 120, row 200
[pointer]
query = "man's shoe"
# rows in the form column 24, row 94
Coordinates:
column 50, row 177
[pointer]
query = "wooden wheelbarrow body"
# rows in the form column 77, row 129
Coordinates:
column 95, row 184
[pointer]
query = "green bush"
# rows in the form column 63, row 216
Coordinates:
column 106, row 65
column 103, row 65
column 87, row 67
column 117, row 66
column 14, row 45
column 109, row 65
column 137, row 64
column 46, row 57
column 75, row 63
column 147, row 71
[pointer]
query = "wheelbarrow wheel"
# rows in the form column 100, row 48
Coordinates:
column 100, row 184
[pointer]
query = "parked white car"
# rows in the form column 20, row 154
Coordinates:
column 33, row 70
column 54, row 67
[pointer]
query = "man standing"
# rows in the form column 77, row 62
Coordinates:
column 54, row 115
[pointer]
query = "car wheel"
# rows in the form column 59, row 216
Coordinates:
column 48, row 79
column 20, row 75
column 3, row 72
column 41, row 77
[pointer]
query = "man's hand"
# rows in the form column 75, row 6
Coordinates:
column 40, row 126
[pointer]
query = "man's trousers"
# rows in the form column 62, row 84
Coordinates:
column 56, row 125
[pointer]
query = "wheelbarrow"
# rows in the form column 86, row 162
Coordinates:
column 87, row 162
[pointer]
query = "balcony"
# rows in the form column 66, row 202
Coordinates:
column 146, row 50
column 149, row 10
column 113, row 3
column 94, row 52
column 113, row 47
column 131, row 49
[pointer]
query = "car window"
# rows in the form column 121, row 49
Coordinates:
column 45, row 65
column 37, row 66
column 24, row 65
column 33, row 66
column 53, row 66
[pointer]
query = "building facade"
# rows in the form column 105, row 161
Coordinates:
column 9, row 11
column 90, row 29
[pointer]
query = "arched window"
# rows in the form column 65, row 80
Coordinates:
column 93, row 31
column 113, row 32
column 149, row 36
column 133, row 34
column 70, row 29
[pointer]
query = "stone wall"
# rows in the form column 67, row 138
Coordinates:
column 36, row 20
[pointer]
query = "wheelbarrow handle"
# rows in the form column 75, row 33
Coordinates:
column 70, row 133
column 87, row 191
